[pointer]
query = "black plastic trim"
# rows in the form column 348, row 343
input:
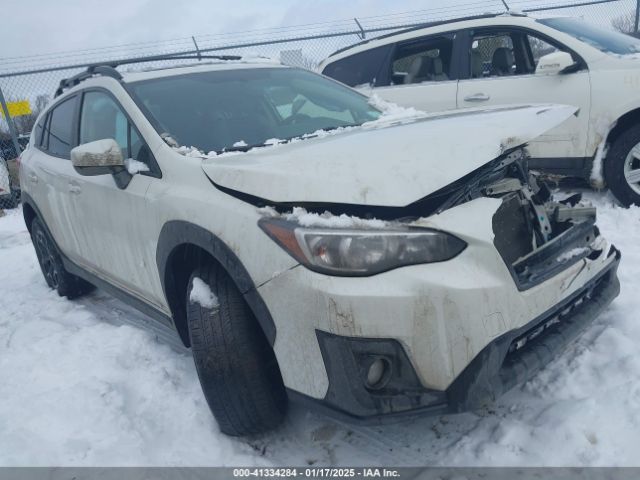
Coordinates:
column 579, row 167
column 347, row 359
column 177, row 233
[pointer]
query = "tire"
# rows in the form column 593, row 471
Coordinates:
column 236, row 365
column 619, row 161
column 65, row 283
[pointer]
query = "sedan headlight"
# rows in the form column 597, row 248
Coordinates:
column 361, row 252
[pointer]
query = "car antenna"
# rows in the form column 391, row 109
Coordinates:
column 506, row 5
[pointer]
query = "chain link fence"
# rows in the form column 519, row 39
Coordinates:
column 27, row 83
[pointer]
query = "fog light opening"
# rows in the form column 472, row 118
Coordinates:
column 378, row 373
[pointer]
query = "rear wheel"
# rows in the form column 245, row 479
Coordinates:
column 66, row 284
column 622, row 167
column 236, row 365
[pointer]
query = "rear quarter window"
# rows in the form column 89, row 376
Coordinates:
column 360, row 69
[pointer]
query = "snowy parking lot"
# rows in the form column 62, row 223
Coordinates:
column 93, row 382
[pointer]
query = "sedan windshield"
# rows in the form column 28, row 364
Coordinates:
column 241, row 108
column 606, row 41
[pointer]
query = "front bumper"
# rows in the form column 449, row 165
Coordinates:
column 444, row 324
column 505, row 362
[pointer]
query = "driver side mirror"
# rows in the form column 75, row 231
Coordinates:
column 556, row 63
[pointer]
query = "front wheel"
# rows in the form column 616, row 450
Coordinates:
column 622, row 167
column 236, row 365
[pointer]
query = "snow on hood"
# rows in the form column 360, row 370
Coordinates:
column 385, row 166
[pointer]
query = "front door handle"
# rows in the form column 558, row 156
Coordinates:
column 74, row 188
column 477, row 97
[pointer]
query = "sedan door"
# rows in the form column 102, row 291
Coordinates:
column 501, row 69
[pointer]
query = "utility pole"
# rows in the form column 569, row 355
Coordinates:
column 635, row 29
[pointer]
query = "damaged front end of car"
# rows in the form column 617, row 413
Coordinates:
column 536, row 235
column 561, row 275
column 420, row 277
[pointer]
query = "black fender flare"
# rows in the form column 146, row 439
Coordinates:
column 178, row 233
column 26, row 200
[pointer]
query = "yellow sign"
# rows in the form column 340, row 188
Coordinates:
column 17, row 109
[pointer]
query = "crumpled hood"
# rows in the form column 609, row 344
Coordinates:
column 391, row 166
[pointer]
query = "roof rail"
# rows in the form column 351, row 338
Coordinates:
column 108, row 69
column 420, row 26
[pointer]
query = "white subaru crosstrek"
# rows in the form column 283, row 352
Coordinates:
column 308, row 246
column 513, row 58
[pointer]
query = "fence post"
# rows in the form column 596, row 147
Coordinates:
column 12, row 127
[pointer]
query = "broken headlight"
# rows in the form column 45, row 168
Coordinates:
column 361, row 252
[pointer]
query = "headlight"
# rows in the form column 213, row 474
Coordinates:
column 361, row 252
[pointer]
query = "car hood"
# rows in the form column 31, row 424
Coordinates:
column 383, row 165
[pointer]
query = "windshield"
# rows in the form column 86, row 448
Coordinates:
column 236, row 109
column 604, row 40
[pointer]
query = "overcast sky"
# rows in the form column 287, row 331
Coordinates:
column 44, row 26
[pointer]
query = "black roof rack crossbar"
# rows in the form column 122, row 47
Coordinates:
column 108, row 69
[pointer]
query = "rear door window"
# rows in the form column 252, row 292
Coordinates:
column 360, row 69
column 422, row 60
column 58, row 138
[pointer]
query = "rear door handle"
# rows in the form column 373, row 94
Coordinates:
column 477, row 97
column 33, row 178
column 74, row 188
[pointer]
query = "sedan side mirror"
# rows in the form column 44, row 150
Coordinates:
column 556, row 63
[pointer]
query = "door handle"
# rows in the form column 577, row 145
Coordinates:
column 33, row 178
column 477, row 97
column 74, row 188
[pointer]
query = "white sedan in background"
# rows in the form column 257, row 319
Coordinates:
column 512, row 58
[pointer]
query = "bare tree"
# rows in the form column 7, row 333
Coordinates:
column 626, row 23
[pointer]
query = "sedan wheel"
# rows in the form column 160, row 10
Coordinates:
column 622, row 167
column 632, row 169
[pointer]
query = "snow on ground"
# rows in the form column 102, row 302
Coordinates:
column 93, row 382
